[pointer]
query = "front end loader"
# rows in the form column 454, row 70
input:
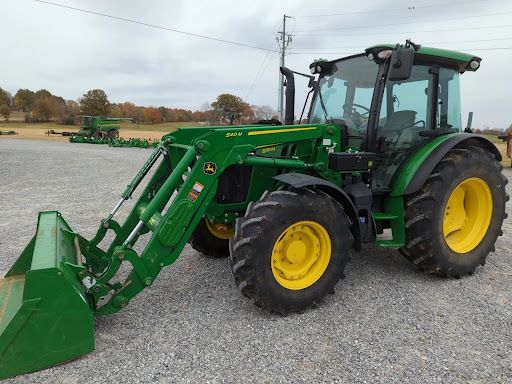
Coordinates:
column 383, row 159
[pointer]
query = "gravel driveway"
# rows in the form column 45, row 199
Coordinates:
column 387, row 322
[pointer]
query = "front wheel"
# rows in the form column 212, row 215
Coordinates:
column 212, row 239
column 453, row 222
column 290, row 249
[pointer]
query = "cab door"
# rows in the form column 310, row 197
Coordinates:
column 406, row 110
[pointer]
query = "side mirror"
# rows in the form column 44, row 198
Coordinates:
column 402, row 60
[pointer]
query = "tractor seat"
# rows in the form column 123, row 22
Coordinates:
column 399, row 128
column 400, row 120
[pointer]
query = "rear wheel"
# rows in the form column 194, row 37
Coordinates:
column 212, row 239
column 290, row 249
column 114, row 134
column 453, row 222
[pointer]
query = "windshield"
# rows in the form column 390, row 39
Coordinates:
column 85, row 121
column 346, row 94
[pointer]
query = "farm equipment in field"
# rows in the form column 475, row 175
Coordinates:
column 383, row 160
column 63, row 133
column 116, row 142
column 8, row 133
column 133, row 142
column 97, row 127
column 88, row 140
column 100, row 126
column 507, row 139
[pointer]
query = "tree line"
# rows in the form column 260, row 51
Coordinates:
column 43, row 106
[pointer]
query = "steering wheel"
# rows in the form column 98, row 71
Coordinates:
column 360, row 119
column 362, row 107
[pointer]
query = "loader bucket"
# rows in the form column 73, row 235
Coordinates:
column 45, row 316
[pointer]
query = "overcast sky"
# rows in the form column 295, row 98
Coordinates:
column 70, row 52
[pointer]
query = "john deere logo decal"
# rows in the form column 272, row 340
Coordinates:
column 210, row 168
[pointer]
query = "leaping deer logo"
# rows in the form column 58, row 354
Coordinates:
column 210, row 168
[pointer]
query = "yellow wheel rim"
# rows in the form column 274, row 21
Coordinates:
column 222, row 231
column 301, row 255
column 467, row 215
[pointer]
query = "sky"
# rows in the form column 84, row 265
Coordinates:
column 69, row 52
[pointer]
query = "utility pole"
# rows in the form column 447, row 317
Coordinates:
column 285, row 39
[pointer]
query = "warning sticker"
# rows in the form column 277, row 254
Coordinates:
column 195, row 191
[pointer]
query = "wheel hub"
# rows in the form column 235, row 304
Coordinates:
column 467, row 215
column 301, row 254
column 222, row 231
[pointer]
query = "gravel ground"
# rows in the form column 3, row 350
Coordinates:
column 387, row 322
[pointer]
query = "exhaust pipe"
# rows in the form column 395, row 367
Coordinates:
column 289, row 116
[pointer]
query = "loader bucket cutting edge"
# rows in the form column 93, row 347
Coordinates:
column 45, row 317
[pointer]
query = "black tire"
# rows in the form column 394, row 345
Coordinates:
column 424, row 211
column 257, row 232
column 113, row 134
column 202, row 240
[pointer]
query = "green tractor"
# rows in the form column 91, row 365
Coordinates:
column 100, row 127
column 383, row 159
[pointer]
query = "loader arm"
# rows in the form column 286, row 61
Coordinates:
column 185, row 181
column 61, row 280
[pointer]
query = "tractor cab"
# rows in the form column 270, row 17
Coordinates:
column 86, row 121
column 391, row 100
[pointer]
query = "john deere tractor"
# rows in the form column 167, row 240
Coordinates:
column 383, row 159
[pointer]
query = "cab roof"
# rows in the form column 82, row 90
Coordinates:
column 461, row 60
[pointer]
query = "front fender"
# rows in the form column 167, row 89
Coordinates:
column 418, row 168
column 300, row 180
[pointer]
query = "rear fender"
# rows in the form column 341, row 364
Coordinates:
column 418, row 168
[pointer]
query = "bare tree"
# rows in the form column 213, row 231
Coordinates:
column 263, row 112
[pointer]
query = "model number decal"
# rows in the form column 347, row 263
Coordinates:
column 268, row 149
column 233, row 134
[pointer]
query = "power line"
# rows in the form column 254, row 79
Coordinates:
column 422, row 42
column 353, row 53
column 264, row 69
column 410, row 8
column 261, row 69
column 152, row 25
column 407, row 23
column 256, row 78
column 485, row 49
column 408, row 32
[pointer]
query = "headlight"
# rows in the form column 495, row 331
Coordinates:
column 313, row 70
column 474, row 64
column 370, row 56
column 384, row 54
column 318, row 69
